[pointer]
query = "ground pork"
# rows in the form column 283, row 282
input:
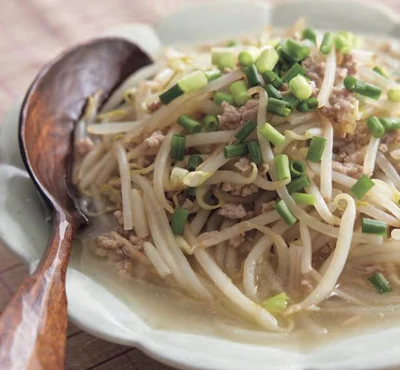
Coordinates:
column 153, row 143
column 348, row 168
column 119, row 217
column 107, row 242
column 239, row 189
column 233, row 117
column 233, row 211
column 243, row 165
column 84, row 146
column 236, row 241
column 315, row 68
column 265, row 207
column 390, row 139
column 342, row 110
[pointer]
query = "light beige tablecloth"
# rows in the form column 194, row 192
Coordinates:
column 32, row 32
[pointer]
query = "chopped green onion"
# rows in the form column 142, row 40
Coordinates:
column 298, row 184
column 253, row 78
column 194, row 161
column 193, row 81
column 302, row 198
column 370, row 226
column 381, row 71
column 291, row 101
column 284, row 55
column 297, row 51
column 277, row 71
column 171, row 94
column 281, row 162
column 235, row 150
column 362, row 88
column 278, row 107
column 255, row 152
column 297, row 168
column 285, row 213
column 316, row 148
column 327, row 43
column 272, row 78
column 211, row 122
column 249, row 56
column 309, row 34
column 362, row 186
column 271, row 134
column 232, row 43
column 267, row 60
column 272, row 92
column 223, row 58
column 295, row 70
column 393, row 93
column 190, row 192
column 220, row 97
column 275, row 304
column 300, row 87
column 178, row 143
column 212, row 74
column 375, row 127
column 380, row 283
column 178, row 220
column 344, row 42
column 245, row 131
column 189, row 124
column 308, row 105
column 390, row 123
column 239, row 92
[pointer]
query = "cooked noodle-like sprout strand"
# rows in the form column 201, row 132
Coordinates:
column 326, row 161
column 125, row 186
column 370, row 156
column 138, row 214
column 339, row 257
column 155, row 258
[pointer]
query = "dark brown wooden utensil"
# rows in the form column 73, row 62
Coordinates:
column 33, row 326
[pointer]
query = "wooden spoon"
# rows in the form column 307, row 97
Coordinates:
column 33, row 326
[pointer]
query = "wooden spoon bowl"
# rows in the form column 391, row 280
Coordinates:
column 33, row 326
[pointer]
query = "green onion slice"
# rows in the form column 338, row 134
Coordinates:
column 302, row 198
column 375, row 127
column 194, row 161
column 362, row 88
column 271, row 134
column 297, row 168
column 316, row 149
column 371, row 226
column 235, row 150
column 172, row 93
column 362, row 186
column 255, row 152
column 282, row 166
column 178, row 220
column 276, row 304
column 245, row 131
column 178, row 143
column 211, row 122
column 298, row 184
column 189, row 124
column 220, row 97
column 380, row 283
column 285, row 213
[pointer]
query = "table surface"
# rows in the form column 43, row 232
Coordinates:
column 32, row 32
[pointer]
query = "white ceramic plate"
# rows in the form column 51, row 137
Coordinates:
column 119, row 313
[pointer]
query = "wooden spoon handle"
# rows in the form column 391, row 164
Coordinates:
column 33, row 325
